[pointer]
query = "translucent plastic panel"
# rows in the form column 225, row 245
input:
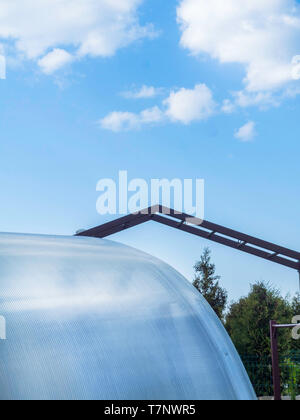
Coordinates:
column 93, row 319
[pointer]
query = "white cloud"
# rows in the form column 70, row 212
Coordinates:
column 184, row 106
column 126, row 121
column 96, row 28
column 247, row 132
column 152, row 115
column 261, row 99
column 261, row 35
column 146, row 92
column 187, row 105
column 244, row 99
column 55, row 60
column 120, row 121
column 228, row 106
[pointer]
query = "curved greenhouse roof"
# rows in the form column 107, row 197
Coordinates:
column 93, row 319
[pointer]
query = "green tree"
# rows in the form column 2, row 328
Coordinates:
column 296, row 304
column 247, row 322
column 207, row 283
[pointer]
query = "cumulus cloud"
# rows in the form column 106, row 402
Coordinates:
column 244, row 99
column 263, row 36
column 228, row 106
column 184, row 106
column 126, row 121
column 96, row 28
column 188, row 105
column 120, row 121
column 261, row 99
column 55, row 60
column 145, row 92
column 246, row 133
column 152, row 115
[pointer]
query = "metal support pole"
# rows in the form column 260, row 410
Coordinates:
column 275, row 361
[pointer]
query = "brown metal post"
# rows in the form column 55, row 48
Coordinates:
column 275, row 361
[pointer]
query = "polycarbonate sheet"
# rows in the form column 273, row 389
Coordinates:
column 93, row 319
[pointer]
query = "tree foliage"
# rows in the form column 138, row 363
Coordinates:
column 207, row 283
column 248, row 324
column 248, row 320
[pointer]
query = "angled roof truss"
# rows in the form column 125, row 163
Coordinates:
column 201, row 228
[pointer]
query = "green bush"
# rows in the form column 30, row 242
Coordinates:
column 293, row 378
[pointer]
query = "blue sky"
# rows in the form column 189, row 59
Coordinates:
column 61, row 89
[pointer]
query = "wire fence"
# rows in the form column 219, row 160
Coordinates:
column 260, row 372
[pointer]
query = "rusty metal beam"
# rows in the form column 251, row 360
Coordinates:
column 204, row 229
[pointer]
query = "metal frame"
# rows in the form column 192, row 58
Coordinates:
column 274, row 327
column 204, row 229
